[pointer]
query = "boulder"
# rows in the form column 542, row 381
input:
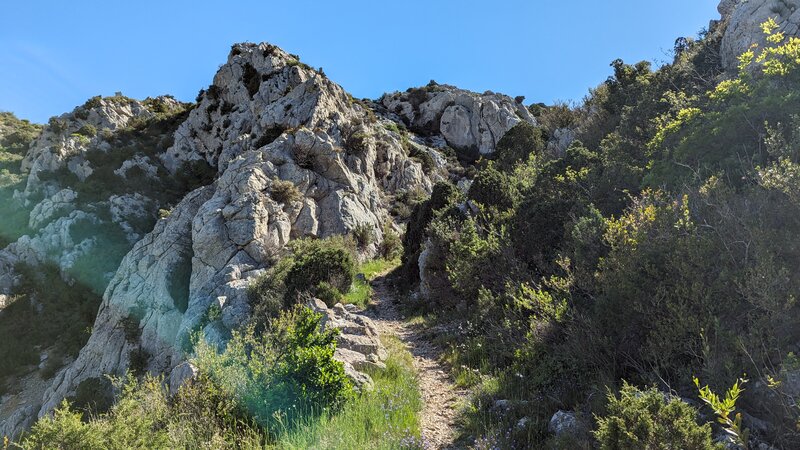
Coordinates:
column 565, row 423
column 182, row 374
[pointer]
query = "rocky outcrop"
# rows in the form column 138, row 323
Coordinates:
column 359, row 346
column 466, row 120
column 266, row 120
column 272, row 151
column 743, row 19
column 77, row 200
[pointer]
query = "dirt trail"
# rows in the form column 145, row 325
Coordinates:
column 439, row 394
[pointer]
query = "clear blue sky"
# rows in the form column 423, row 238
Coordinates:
column 56, row 54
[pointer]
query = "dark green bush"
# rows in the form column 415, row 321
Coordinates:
column 316, row 261
column 93, row 396
column 364, row 235
column 444, row 195
column 328, row 294
column 517, row 144
column 492, row 187
column 313, row 268
column 87, row 130
column 392, row 246
column 47, row 313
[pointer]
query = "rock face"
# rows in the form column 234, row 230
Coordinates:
column 77, row 201
column 272, row 151
column 359, row 345
column 267, row 119
column 467, row 121
column 743, row 19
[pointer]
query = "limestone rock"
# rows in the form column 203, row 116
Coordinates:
column 743, row 19
column 564, row 423
column 465, row 119
column 560, row 141
column 265, row 118
column 266, row 122
column 359, row 345
column 183, row 373
column 61, row 201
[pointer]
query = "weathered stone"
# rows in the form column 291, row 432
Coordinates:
column 182, row 374
column 564, row 423
column 359, row 346
column 465, row 119
column 743, row 21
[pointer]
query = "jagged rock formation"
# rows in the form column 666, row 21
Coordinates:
column 467, row 121
column 743, row 19
column 273, row 151
column 77, row 202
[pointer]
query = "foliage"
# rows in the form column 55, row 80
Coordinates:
column 651, row 420
column 444, row 195
column 518, row 143
column 364, row 235
column 282, row 375
column 284, row 191
column 46, row 314
column 391, row 247
column 319, row 261
column 658, row 247
column 200, row 416
column 360, row 292
column 313, row 267
column 384, row 418
column 724, row 407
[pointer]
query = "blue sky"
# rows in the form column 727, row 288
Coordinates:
column 55, row 55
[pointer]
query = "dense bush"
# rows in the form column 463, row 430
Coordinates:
column 283, row 375
column 200, row 416
column 46, row 314
column 444, row 195
column 312, row 268
column 214, row 410
column 518, row 143
column 659, row 247
column 651, row 420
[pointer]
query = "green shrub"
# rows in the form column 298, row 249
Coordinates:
column 58, row 318
column 650, row 420
column 267, row 293
column 93, row 396
column 313, row 268
column 358, row 143
column 283, row 375
column 328, row 294
column 392, row 246
column 88, row 131
column 316, row 261
column 200, row 416
column 444, row 195
column 492, row 187
column 517, row 144
column 364, row 235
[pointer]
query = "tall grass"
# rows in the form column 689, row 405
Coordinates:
column 384, row 418
column 361, row 292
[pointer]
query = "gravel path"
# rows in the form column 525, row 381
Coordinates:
column 439, row 394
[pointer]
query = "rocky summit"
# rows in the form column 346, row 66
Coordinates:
column 193, row 202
